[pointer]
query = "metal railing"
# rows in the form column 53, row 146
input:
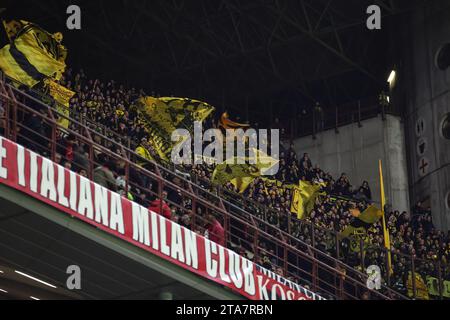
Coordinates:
column 298, row 121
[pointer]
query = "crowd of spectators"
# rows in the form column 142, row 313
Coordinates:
column 411, row 235
column 105, row 107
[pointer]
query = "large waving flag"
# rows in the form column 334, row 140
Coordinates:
column 12, row 28
column 241, row 171
column 33, row 53
column 62, row 97
column 362, row 222
column 303, row 198
column 421, row 289
column 358, row 227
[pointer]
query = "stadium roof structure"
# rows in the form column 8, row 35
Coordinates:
column 230, row 51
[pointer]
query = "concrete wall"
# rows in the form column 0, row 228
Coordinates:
column 425, row 93
column 356, row 150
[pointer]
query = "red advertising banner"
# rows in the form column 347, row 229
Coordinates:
column 79, row 197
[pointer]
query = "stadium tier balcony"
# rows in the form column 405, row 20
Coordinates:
column 33, row 124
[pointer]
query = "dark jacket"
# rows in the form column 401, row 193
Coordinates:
column 104, row 177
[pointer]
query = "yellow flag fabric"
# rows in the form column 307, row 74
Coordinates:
column 232, row 169
column 387, row 242
column 242, row 183
column 144, row 153
column 371, row 215
column 12, row 28
column 297, row 203
column 225, row 172
column 277, row 183
column 33, row 54
column 359, row 226
column 355, row 241
column 161, row 116
column 361, row 223
column 303, row 197
column 62, row 96
column 433, row 287
column 421, row 287
column 42, row 50
column 353, row 231
column 12, row 68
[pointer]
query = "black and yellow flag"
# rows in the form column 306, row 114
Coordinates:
column 241, row 171
column 420, row 286
column 225, row 172
column 362, row 222
column 303, row 198
column 33, row 54
column 62, row 96
column 162, row 116
column 242, row 183
column 12, row 28
column 433, row 287
column 11, row 65
column 357, row 229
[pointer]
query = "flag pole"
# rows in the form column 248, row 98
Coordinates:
column 387, row 243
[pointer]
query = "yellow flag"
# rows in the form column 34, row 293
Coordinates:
column 33, row 54
column 421, row 287
column 242, row 183
column 362, row 222
column 371, row 215
column 62, row 96
column 144, row 153
column 303, row 198
column 297, row 203
column 387, row 242
column 161, row 116
column 12, row 28
column 42, row 50
column 242, row 174
column 225, row 172
column 11, row 67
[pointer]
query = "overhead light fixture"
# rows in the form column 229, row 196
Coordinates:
column 1, row 290
column 35, row 279
column 391, row 79
column 1, row 271
column 34, row 298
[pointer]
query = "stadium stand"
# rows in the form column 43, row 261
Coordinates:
column 416, row 246
column 84, row 149
column 319, row 230
column 102, row 139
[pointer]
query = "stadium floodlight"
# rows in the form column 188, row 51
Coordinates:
column 4, row 291
column 35, row 279
column 391, row 79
